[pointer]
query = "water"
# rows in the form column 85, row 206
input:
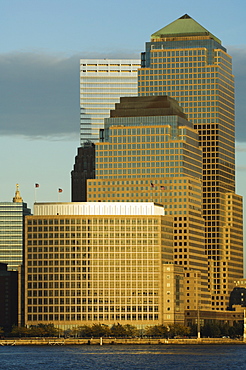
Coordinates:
column 119, row 357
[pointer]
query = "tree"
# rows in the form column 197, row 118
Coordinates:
column 179, row 330
column 118, row 331
column 211, row 330
column 131, row 330
column 19, row 331
column 85, row 331
column 159, row 331
column 98, row 330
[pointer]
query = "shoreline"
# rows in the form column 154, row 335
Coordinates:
column 116, row 341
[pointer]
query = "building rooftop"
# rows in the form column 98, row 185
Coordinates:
column 184, row 26
column 99, row 209
column 146, row 106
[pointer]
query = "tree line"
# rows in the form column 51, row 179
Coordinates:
column 210, row 329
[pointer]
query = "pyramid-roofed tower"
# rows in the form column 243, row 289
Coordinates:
column 184, row 26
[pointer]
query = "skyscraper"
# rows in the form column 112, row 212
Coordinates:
column 102, row 82
column 150, row 152
column 83, row 169
column 12, row 230
column 187, row 62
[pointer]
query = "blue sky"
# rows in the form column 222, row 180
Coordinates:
column 41, row 43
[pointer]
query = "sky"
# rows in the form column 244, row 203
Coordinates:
column 41, row 44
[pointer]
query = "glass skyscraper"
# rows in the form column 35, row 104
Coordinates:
column 187, row 62
column 102, row 82
column 12, row 231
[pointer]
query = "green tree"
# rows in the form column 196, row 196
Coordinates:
column 131, row 330
column 157, row 331
column 37, row 331
column 98, row 330
column 85, row 331
column 19, row 331
column 179, row 330
column 211, row 330
column 117, row 330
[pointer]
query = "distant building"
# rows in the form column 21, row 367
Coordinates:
column 237, row 299
column 12, row 230
column 102, row 83
column 84, row 169
column 9, row 297
column 101, row 262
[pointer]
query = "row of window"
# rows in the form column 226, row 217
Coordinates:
column 97, row 228
column 90, row 317
column 93, row 309
column 94, row 221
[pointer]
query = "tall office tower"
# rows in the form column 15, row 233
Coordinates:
column 102, row 82
column 151, row 153
column 12, row 230
column 101, row 262
column 83, row 169
column 187, row 62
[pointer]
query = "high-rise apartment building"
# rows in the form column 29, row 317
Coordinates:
column 102, row 83
column 151, row 152
column 185, row 61
column 101, row 262
column 12, row 231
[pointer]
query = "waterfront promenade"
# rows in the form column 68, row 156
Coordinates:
column 114, row 341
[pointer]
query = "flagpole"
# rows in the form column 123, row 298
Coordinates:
column 35, row 192
column 59, row 191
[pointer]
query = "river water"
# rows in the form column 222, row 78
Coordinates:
column 123, row 357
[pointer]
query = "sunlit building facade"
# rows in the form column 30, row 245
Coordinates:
column 185, row 61
column 102, row 82
column 150, row 152
column 101, row 262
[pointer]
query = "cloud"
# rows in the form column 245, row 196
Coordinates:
column 240, row 148
column 39, row 95
column 241, row 168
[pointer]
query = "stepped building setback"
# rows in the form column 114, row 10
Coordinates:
column 150, row 152
column 185, row 61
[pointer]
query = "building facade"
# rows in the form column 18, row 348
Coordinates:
column 101, row 262
column 9, row 297
column 102, row 82
column 150, row 153
column 12, row 231
column 83, row 169
column 185, row 61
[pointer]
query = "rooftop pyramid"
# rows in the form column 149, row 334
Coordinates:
column 184, row 26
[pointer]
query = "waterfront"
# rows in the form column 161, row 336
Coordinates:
column 123, row 357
